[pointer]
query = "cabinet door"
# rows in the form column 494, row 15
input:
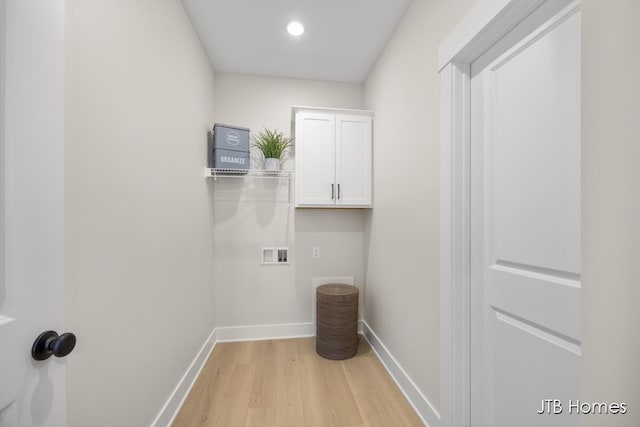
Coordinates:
column 353, row 160
column 315, row 159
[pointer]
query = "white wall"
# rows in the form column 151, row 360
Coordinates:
column 402, row 265
column 611, row 207
column 251, row 213
column 140, row 295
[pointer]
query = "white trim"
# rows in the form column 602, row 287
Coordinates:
column 425, row 410
column 297, row 108
column 454, row 246
column 177, row 397
column 268, row 332
column 486, row 23
column 264, row 332
column 3, row 27
column 334, row 206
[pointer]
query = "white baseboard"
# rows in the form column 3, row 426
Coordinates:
column 181, row 391
column 264, row 332
column 425, row 410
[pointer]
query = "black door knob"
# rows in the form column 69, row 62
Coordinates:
column 50, row 343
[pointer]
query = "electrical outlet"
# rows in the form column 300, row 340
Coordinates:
column 283, row 255
column 315, row 252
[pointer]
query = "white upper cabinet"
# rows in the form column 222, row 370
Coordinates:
column 315, row 159
column 353, row 160
column 333, row 150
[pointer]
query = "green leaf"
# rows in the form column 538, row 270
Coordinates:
column 272, row 143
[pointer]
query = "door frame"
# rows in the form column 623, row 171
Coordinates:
column 3, row 29
column 485, row 24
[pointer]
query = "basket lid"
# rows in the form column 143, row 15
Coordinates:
column 337, row 289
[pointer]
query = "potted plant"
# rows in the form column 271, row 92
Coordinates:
column 272, row 144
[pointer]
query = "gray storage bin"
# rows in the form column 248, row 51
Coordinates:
column 227, row 137
column 230, row 159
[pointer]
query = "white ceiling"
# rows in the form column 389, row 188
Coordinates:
column 342, row 38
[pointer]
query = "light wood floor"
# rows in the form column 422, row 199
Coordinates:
column 285, row 383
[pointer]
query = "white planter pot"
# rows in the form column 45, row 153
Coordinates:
column 272, row 164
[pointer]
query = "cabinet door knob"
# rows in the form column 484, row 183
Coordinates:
column 332, row 191
column 338, row 191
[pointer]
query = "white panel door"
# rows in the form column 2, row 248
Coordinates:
column 525, row 280
column 315, row 159
column 32, row 393
column 354, row 152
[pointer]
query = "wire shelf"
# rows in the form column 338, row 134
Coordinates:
column 241, row 173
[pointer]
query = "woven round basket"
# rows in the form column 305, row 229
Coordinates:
column 336, row 321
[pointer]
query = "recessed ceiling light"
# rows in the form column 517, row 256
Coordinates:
column 295, row 28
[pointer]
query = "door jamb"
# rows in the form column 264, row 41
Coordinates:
column 486, row 23
column 3, row 29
